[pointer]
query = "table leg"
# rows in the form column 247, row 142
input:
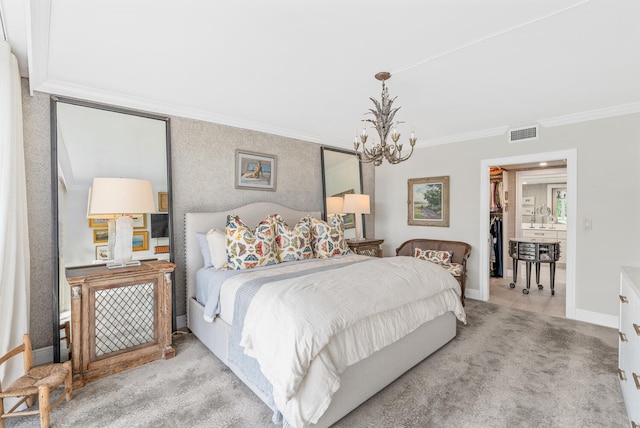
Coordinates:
column 526, row 290
column 515, row 273
column 552, row 270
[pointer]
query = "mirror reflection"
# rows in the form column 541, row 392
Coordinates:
column 544, row 199
column 341, row 175
column 100, row 141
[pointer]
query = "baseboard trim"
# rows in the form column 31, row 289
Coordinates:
column 181, row 321
column 597, row 318
column 472, row 294
column 43, row 355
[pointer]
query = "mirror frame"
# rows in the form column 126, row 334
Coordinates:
column 324, row 149
column 55, row 286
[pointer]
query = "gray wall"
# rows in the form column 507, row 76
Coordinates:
column 608, row 192
column 203, row 159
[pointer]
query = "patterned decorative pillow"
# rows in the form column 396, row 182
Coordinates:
column 293, row 243
column 248, row 248
column 454, row 269
column 439, row 257
column 327, row 237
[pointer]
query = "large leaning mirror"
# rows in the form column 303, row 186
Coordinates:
column 90, row 140
column 341, row 174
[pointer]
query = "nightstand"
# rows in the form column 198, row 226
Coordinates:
column 366, row 247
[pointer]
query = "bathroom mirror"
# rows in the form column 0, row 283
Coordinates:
column 90, row 140
column 341, row 174
column 543, row 197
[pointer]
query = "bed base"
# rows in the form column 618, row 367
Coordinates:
column 360, row 381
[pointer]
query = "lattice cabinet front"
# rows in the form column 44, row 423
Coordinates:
column 121, row 318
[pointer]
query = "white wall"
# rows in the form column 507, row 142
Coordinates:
column 608, row 191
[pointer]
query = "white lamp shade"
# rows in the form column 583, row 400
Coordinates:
column 112, row 197
column 358, row 204
column 335, row 205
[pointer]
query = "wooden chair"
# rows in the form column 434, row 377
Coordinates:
column 66, row 336
column 37, row 381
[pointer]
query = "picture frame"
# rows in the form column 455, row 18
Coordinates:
column 140, row 240
column 100, row 236
column 428, row 201
column 163, row 202
column 255, row 171
column 102, row 252
column 140, row 222
column 98, row 223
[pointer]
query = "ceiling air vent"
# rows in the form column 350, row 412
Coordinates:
column 523, row 134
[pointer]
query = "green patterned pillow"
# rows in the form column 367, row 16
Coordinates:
column 327, row 237
column 439, row 257
column 293, row 243
column 248, row 248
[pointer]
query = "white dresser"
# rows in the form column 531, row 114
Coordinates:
column 629, row 346
column 555, row 234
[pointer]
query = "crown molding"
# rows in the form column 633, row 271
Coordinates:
column 145, row 105
column 475, row 135
column 585, row 116
column 107, row 97
column 38, row 22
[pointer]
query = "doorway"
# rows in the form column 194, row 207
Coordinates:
column 485, row 236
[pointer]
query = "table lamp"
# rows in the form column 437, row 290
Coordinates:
column 335, row 205
column 358, row 205
column 119, row 200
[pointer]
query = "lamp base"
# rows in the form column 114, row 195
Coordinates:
column 120, row 264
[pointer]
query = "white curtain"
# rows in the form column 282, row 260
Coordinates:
column 14, row 236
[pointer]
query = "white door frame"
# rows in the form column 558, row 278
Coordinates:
column 572, row 201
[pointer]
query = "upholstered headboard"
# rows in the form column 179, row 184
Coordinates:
column 251, row 214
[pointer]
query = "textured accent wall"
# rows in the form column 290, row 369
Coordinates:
column 203, row 165
column 37, row 153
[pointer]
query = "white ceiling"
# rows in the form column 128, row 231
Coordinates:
column 461, row 68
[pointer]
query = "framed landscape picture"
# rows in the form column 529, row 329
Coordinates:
column 428, row 201
column 255, row 171
column 100, row 236
column 140, row 240
column 98, row 222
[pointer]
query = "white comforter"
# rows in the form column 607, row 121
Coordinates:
column 305, row 333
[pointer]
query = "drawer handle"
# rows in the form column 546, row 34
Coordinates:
column 636, row 379
column 621, row 375
column 624, row 299
column 637, row 327
column 623, row 337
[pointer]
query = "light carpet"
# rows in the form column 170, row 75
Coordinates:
column 505, row 368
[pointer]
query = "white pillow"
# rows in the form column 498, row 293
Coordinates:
column 217, row 248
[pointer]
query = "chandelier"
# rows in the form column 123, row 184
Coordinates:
column 383, row 122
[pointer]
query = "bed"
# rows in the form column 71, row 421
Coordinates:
column 359, row 381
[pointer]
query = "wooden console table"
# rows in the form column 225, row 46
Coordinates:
column 120, row 318
column 534, row 251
